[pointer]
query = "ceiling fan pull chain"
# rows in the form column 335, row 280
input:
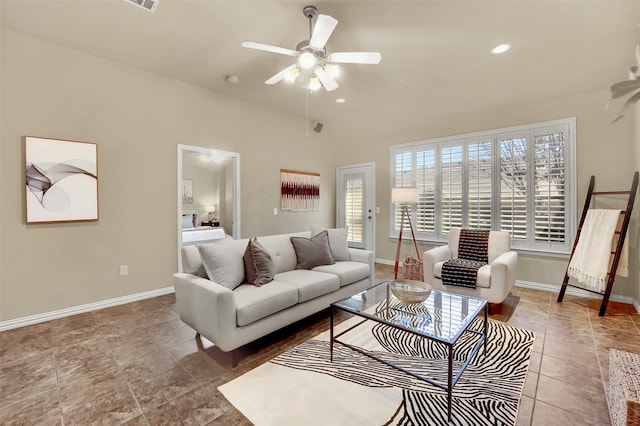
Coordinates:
column 307, row 121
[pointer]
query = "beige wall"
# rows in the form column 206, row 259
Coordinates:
column 137, row 119
column 634, row 232
column 603, row 150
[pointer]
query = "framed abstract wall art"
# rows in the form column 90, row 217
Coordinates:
column 299, row 191
column 187, row 191
column 61, row 180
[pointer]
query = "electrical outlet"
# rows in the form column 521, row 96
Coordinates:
column 275, row 211
column 124, row 270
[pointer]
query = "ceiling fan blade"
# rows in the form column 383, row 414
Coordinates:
column 280, row 75
column 355, row 57
column 327, row 81
column 269, row 48
column 325, row 25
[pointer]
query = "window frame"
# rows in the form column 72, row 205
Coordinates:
column 567, row 126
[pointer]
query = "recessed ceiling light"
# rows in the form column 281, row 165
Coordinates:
column 341, row 100
column 501, row 48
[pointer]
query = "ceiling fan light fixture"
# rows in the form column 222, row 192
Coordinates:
column 307, row 60
column 292, row 74
column 332, row 69
column 314, row 83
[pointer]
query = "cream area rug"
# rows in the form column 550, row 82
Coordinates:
column 303, row 387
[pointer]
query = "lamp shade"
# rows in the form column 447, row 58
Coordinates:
column 210, row 209
column 404, row 195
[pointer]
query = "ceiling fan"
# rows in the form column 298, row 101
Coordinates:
column 313, row 56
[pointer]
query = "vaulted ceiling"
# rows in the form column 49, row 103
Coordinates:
column 435, row 54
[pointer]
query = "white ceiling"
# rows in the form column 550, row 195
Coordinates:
column 435, row 54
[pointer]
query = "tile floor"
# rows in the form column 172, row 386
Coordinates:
column 138, row 364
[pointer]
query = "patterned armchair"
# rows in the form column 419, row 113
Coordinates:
column 494, row 280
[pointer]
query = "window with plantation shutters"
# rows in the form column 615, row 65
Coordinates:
column 479, row 166
column 519, row 179
column 353, row 209
column 426, row 184
column 550, row 186
column 451, row 188
column 513, row 185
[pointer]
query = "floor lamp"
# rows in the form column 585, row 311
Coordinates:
column 404, row 196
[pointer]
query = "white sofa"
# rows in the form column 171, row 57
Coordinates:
column 494, row 281
column 232, row 318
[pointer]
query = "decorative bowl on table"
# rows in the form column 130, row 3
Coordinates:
column 410, row 291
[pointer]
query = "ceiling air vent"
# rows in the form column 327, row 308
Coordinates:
column 149, row 5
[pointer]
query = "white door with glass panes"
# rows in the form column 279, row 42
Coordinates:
column 355, row 193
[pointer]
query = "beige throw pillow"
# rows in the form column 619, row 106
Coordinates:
column 258, row 265
column 223, row 262
column 337, row 242
column 312, row 252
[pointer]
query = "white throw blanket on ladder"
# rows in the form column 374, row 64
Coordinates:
column 592, row 258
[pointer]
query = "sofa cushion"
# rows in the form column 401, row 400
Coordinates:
column 484, row 274
column 253, row 303
column 258, row 265
column 310, row 284
column 223, row 262
column 312, row 252
column 338, row 242
column 348, row 272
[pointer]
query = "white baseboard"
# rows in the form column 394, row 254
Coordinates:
column 577, row 292
column 61, row 313
column 552, row 288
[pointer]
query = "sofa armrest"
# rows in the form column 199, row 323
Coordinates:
column 364, row 256
column 503, row 270
column 206, row 306
column 431, row 257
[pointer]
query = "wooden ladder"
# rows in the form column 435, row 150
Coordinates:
column 621, row 236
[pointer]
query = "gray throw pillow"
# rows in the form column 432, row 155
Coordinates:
column 258, row 265
column 337, row 242
column 312, row 252
column 223, row 262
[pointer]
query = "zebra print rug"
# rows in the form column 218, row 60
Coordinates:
column 302, row 387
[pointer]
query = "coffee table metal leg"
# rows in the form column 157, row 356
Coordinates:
column 486, row 324
column 449, row 382
column 331, row 333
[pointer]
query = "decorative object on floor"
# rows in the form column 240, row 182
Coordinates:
column 301, row 386
column 406, row 196
column 410, row 291
column 187, row 191
column 612, row 255
column 299, row 191
column 494, row 281
column 319, row 69
column 624, row 388
column 61, row 180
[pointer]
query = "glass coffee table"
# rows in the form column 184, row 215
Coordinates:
column 443, row 318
